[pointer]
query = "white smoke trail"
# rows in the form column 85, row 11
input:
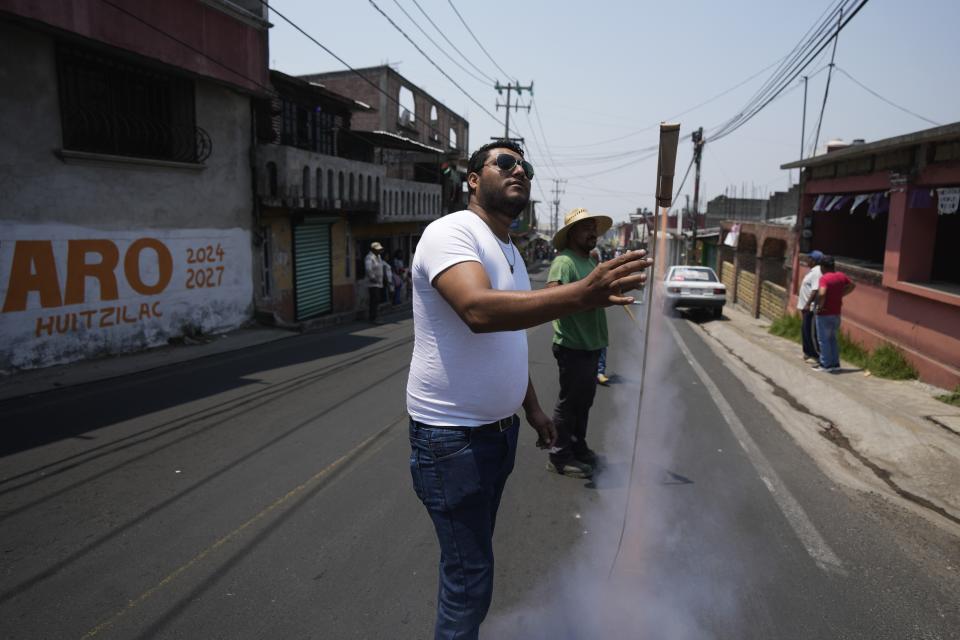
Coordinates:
column 663, row 586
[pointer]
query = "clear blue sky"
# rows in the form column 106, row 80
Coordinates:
column 604, row 71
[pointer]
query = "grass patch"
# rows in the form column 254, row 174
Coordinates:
column 951, row 398
column 853, row 352
column 788, row 327
column 886, row 361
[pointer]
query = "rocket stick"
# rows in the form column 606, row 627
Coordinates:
column 666, row 167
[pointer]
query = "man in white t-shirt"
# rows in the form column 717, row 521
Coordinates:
column 805, row 298
column 468, row 375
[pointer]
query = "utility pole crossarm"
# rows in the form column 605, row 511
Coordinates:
column 509, row 88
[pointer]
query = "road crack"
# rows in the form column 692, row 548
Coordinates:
column 831, row 432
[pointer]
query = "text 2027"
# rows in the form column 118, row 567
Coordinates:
column 205, row 277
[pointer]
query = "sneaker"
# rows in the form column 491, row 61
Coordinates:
column 588, row 457
column 571, row 468
column 817, row 367
column 602, row 379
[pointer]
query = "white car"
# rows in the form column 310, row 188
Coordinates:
column 693, row 288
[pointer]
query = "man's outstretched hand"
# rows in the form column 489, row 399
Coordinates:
column 605, row 284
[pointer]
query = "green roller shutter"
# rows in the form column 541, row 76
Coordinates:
column 312, row 269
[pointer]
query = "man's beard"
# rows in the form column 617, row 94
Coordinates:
column 499, row 201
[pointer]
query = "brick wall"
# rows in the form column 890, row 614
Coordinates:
column 773, row 300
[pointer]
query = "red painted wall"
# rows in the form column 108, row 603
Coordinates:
column 239, row 49
column 925, row 324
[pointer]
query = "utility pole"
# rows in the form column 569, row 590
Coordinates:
column 557, row 192
column 698, row 142
column 826, row 90
column 803, row 123
column 516, row 106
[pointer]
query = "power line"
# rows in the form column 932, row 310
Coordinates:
column 444, row 36
column 439, row 48
column 430, row 60
column 889, row 102
column 536, row 164
column 802, row 60
column 479, row 44
column 797, row 61
column 187, row 45
column 543, row 133
column 537, row 142
column 682, row 113
column 652, row 154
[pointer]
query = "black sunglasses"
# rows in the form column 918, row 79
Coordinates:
column 506, row 162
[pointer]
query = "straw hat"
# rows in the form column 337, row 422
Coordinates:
column 573, row 217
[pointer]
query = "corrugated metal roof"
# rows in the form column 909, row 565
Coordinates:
column 389, row 140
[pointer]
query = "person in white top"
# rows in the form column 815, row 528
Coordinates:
column 468, row 375
column 805, row 299
column 373, row 268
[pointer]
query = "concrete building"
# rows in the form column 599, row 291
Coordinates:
column 311, row 178
column 421, row 146
column 325, row 191
column 887, row 210
column 780, row 204
column 403, row 109
column 125, row 181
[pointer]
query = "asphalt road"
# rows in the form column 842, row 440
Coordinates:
column 265, row 493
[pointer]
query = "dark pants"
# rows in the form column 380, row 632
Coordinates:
column 806, row 329
column 578, row 386
column 459, row 475
column 374, row 296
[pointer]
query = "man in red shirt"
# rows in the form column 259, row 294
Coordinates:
column 834, row 285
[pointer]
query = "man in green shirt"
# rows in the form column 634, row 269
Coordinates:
column 577, row 341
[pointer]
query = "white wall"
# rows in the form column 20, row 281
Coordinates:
column 51, row 209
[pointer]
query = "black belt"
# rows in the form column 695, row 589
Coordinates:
column 499, row 425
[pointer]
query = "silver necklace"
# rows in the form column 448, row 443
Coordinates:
column 513, row 252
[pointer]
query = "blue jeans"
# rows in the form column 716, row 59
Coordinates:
column 602, row 362
column 827, row 329
column 459, row 475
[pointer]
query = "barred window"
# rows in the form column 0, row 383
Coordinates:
column 309, row 128
column 109, row 105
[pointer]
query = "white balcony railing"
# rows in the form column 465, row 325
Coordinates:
column 291, row 177
column 408, row 201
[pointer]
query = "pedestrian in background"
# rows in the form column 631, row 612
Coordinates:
column 602, row 377
column 469, row 371
column 833, row 286
column 806, row 297
column 373, row 271
column 388, row 282
column 578, row 339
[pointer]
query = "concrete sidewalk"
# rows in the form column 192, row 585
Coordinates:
column 884, row 436
column 31, row 381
